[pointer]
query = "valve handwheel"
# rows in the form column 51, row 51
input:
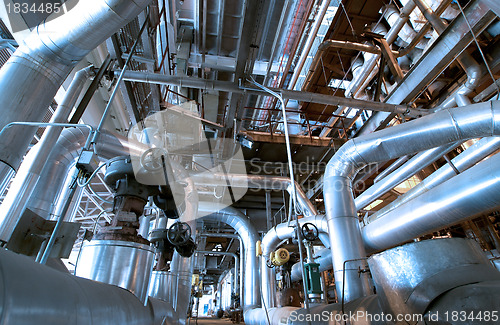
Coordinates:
column 179, row 233
column 151, row 159
column 309, row 231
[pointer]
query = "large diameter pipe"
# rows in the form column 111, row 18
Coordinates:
column 474, row 154
column 58, row 165
column 410, row 168
column 35, row 293
column 29, row 173
column 33, row 74
column 477, row 190
column 440, row 128
column 240, row 223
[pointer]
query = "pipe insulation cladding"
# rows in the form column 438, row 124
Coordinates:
column 32, row 76
column 445, row 126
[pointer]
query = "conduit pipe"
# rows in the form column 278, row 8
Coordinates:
column 407, row 170
column 242, row 225
column 29, row 173
column 31, row 77
column 436, row 59
column 236, row 263
column 476, row 190
column 447, row 126
column 35, row 293
column 309, row 43
column 474, row 154
column 277, row 183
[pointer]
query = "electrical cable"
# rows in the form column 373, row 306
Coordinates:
column 87, row 182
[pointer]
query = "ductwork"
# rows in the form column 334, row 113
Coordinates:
column 474, row 154
column 277, row 183
column 369, row 69
column 476, row 190
column 240, row 223
column 443, row 127
column 32, row 292
column 471, row 67
column 410, row 168
column 30, row 79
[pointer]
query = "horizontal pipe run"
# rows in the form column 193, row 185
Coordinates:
column 227, row 86
column 34, row 293
column 407, row 170
column 443, row 127
column 475, row 191
column 474, row 154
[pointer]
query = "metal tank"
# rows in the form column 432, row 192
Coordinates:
column 122, row 263
column 408, row 278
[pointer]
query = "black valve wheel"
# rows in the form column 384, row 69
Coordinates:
column 151, row 159
column 179, row 233
column 309, row 231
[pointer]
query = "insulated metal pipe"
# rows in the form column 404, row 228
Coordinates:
column 410, row 168
column 302, row 96
column 236, row 263
column 446, row 126
column 395, row 165
column 474, row 154
column 29, row 173
column 240, row 223
column 32, row 292
column 242, row 259
column 270, row 243
column 476, row 190
column 323, row 258
column 31, row 77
